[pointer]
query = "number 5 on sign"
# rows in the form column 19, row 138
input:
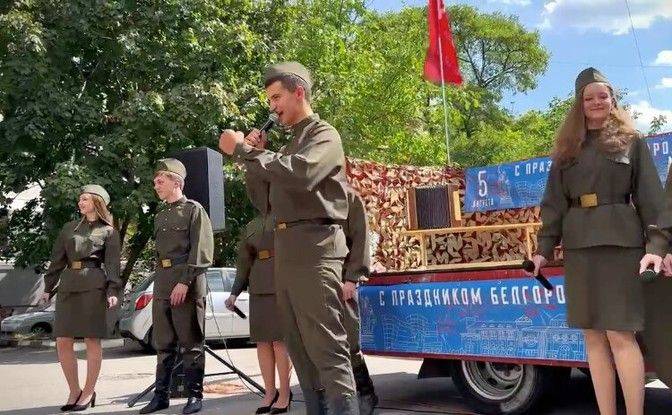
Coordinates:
column 482, row 184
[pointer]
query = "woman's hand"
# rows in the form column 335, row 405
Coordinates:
column 230, row 302
column 650, row 260
column 112, row 301
column 539, row 262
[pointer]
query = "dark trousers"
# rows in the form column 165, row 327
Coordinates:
column 179, row 331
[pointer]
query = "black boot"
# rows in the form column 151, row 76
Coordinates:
column 346, row 404
column 367, row 395
column 193, row 405
column 367, row 403
column 315, row 402
column 157, row 403
column 363, row 379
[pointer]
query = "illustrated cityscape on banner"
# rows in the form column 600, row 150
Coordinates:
column 513, row 318
column 521, row 184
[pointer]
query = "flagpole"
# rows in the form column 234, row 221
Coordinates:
column 443, row 89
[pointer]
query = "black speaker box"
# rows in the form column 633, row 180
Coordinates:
column 205, row 182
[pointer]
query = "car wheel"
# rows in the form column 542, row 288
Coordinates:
column 502, row 388
column 40, row 330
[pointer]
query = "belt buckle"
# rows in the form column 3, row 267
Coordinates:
column 166, row 263
column 264, row 254
column 76, row 265
column 282, row 225
column 588, row 200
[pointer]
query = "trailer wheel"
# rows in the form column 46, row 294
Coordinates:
column 501, row 388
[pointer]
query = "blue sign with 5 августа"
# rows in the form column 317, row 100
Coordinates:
column 521, row 184
column 512, row 318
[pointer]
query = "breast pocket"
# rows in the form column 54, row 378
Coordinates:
column 619, row 172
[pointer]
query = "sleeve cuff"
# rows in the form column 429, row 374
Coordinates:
column 546, row 248
column 241, row 150
column 658, row 243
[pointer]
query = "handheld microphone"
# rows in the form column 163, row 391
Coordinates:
column 529, row 267
column 649, row 275
column 270, row 122
column 239, row 312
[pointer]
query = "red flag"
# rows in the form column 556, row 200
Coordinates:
column 439, row 31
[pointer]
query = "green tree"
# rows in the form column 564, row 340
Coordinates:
column 97, row 91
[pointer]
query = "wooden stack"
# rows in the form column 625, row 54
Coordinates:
column 383, row 189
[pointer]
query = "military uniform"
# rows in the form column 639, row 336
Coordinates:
column 308, row 198
column 85, row 265
column 184, row 251
column 255, row 273
column 599, row 204
column 657, row 295
column 357, row 269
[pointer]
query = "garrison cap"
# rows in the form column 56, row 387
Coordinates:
column 588, row 76
column 96, row 189
column 288, row 68
column 171, row 165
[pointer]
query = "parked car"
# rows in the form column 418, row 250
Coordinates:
column 220, row 323
column 35, row 323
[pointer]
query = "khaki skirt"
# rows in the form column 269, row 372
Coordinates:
column 603, row 288
column 264, row 322
column 81, row 314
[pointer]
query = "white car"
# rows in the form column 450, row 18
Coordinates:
column 220, row 323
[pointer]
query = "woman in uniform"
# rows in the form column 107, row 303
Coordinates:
column 255, row 272
column 84, row 271
column 602, row 193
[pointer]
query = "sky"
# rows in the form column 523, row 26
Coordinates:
column 598, row 33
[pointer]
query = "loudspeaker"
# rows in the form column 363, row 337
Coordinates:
column 433, row 207
column 205, row 182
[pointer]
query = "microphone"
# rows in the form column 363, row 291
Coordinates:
column 239, row 312
column 270, row 122
column 529, row 267
column 649, row 275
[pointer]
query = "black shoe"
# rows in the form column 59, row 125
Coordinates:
column 275, row 410
column 156, row 404
column 267, row 409
column 193, row 405
column 91, row 402
column 69, row 406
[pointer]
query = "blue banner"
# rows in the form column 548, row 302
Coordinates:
column 521, row 184
column 511, row 318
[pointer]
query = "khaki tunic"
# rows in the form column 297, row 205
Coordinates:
column 601, row 244
column 254, row 272
column 307, row 195
column 81, row 304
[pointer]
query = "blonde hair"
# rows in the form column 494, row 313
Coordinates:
column 616, row 136
column 101, row 210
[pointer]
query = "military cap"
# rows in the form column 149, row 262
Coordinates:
column 288, row 68
column 172, row 166
column 588, row 76
column 96, row 189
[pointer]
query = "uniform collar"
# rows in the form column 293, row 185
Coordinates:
column 178, row 201
column 297, row 128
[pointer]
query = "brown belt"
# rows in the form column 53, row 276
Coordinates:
column 84, row 263
column 316, row 221
column 593, row 199
column 170, row 262
column 265, row 254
